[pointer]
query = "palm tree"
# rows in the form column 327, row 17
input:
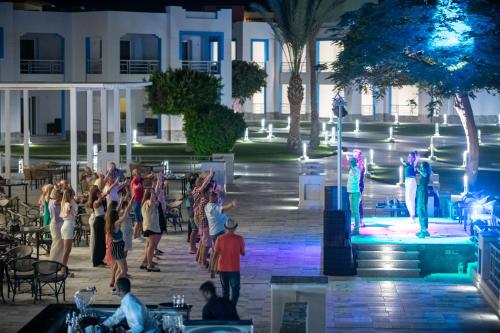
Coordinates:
column 322, row 12
column 291, row 26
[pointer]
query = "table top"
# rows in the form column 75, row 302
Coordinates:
column 13, row 184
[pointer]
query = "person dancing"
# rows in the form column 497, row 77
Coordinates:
column 354, row 193
column 361, row 165
column 425, row 172
column 410, row 173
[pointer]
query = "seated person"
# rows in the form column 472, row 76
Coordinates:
column 216, row 308
column 132, row 310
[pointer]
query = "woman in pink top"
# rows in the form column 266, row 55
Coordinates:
column 69, row 210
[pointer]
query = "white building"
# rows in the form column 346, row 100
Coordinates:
column 253, row 40
column 107, row 46
column 120, row 47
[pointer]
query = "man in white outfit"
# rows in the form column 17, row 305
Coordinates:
column 410, row 174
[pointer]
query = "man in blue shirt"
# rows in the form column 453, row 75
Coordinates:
column 132, row 310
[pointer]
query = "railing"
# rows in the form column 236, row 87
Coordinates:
column 495, row 267
column 258, row 107
column 139, row 66
column 205, row 66
column 261, row 64
column 285, row 66
column 404, row 110
column 285, row 108
column 367, row 110
column 94, row 66
column 38, row 66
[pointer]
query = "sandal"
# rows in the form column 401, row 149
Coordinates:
column 153, row 269
column 143, row 266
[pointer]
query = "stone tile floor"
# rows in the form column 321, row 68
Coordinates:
column 282, row 240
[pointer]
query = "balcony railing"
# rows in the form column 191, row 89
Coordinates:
column 258, row 108
column 367, row 110
column 139, row 66
column 38, row 66
column 94, row 66
column 285, row 66
column 285, row 108
column 261, row 64
column 404, row 110
column 209, row 67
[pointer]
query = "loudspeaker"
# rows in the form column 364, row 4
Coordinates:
column 336, row 228
column 331, row 198
column 338, row 261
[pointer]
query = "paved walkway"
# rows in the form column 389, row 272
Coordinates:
column 282, row 240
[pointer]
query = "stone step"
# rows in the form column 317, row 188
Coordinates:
column 392, row 272
column 385, row 255
column 386, row 247
column 387, row 264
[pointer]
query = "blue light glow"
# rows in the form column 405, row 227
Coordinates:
column 450, row 30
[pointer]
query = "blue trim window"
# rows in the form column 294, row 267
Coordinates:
column 259, row 53
column 1, row 43
column 206, row 38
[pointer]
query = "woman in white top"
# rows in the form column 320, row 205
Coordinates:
column 56, row 222
column 151, row 228
column 69, row 210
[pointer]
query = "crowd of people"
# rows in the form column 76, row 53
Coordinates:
column 416, row 190
column 122, row 212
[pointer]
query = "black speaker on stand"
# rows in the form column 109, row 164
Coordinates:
column 337, row 248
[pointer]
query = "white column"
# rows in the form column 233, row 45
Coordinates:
column 116, row 121
column 73, row 138
column 26, row 127
column 128, row 125
column 6, row 110
column 104, row 121
column 90, row 128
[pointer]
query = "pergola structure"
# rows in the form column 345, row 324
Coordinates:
column 74, row 88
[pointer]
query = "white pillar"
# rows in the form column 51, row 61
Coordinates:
column 104, row 121
column 26, row 127
column 90, row 128
column 128, row 125
column 116, row 127
column 73, row 133
column 6, row 110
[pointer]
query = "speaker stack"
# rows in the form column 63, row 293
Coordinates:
column 337, row 248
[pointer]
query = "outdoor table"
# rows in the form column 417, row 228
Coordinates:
column 9, row 189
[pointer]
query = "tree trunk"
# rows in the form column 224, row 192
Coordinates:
column 295, row 96
column 464, row 110
column 313, row 92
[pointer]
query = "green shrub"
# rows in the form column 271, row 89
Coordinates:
column 213, row 130
column 177, row 91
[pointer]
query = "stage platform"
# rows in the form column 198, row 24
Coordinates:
column 388, row 246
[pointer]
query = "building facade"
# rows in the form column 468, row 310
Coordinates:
column 105, row 47
column 119, row 47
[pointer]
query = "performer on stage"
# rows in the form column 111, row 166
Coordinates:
column 425, row 172
column 358, row 155
column 354, row 194
column 410, row 174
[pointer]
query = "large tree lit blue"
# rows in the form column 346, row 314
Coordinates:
column 450, row 48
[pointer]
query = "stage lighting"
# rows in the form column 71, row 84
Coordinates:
column 356, row 129
column 270, row 131
column 263, row 124
column 246, row 138
column 304, row 151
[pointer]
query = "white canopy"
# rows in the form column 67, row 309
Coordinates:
column 73, row 88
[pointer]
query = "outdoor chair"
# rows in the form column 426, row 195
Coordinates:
column 82, row 228
column 20, row 271
column 23, row 251
column 33, row 177
column 174, row 214
column 2, row 276
column 52, row 274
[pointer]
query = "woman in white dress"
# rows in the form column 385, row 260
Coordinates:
column 56, row 222
column 69, row 210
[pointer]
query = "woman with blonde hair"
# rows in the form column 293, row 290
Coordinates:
column 69, row 210
column 151, row 227
column 56, row 222
column 44, row 203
